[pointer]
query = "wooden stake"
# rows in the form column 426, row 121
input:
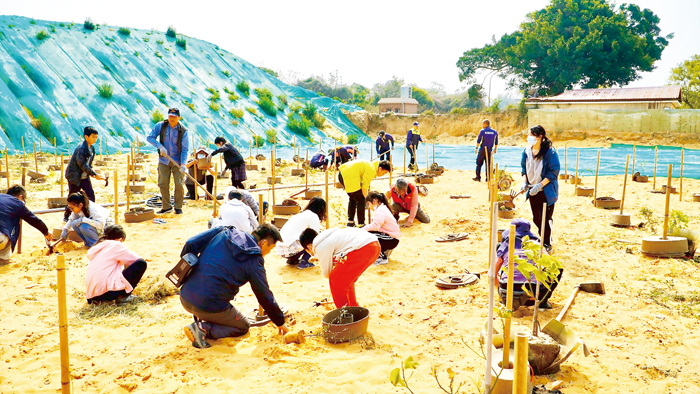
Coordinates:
column 138, row 146
column 61, row 175
column 306, row 170
column 55, row 149
column 261, row 218
column 576, row 174
column 19, row 239
column 595, row 188
column 128, row 187
column 624, row 186
column 634, row 158
column 328, row 204
column 272, row 161
column 521, row 370
column 216, row 181
column 132, row 167
column 668, row 200
column 36, row 162
column 404, row 160
column 116, row 196
column 63, row 323
column 250, row 151
column 656, row 156
column 680, row 193
column 433, row 152
column 427, row 157
column 24, row 176
column 509, row 298
column 566, row 174
column 7, row 168
column 196, row 192
column 24, row 153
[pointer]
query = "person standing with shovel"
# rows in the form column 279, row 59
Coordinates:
column 413, row 138
column 172, row 140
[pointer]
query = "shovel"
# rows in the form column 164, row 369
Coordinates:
column 564, row 335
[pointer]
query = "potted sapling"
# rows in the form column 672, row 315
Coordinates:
column 678, row 227
column 639, row 176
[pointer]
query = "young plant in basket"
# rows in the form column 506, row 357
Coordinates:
column 544, row 267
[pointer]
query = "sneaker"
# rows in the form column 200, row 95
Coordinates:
column 292, row 260
column 162, row 211
column 305, row 264
column 351, row 224
column 548, row 248
column 196, row 335
column 476, row 179
column 178, row 211
column 545, row 305
column 381, row 261
column 126, row 300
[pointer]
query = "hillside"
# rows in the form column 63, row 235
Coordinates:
column 51, row 72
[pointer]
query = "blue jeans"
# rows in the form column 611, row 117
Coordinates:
column 87, row 233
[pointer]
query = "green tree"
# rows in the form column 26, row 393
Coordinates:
column 423, row 98
column 590, row 43
column 687, row 74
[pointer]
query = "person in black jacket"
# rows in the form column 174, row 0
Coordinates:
column 79, row 168
column 228, row 259
column 12, row 210
column 234, row 161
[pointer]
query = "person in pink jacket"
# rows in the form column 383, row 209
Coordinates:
column 384, row 225
column 113, row 271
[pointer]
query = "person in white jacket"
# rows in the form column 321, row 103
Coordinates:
column 343, row 254
column 235, row 213
column 310, row 217
column 87, row 218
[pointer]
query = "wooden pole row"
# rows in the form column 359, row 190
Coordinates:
column 624, row 186
column 668, row 200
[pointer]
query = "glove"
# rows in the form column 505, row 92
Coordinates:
column 183, row 169
column 523, row 187
column 209, row 156
column 162, row 151
column 535, row 189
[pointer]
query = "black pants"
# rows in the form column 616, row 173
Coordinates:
column 386, row 241
column 412, row 150
column 132, row 274
column 192, row 188
column 484, row 154
column 356, row 204
column 86, row 185
column 385, row 156
column 536, row 203
column 520, row 287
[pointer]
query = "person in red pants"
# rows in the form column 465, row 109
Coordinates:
column 343, row 254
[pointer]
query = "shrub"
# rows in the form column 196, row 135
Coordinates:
column 181, row 42
column 215, row 95
column 243, row 87
column 89, row 24
column 232, row 97
column 159, row 42
column 189, row 105
column 41, row 35
column 353, row 139
column 33, row 22
column 158, row 55
column 105, row 90
column 171, row 32
column 299, row 125
column 236, row 113
column 428, row 112
column 125, row 31
column 264, row 93
column 43, row 124
column 52, row 28
column 495, row 106
column 271, row 135
column 226, row 73
column 283, row 99
column 295, row 108
column 258, row 141
column 214, row 106
column 161, row 98
column 252, row 110
column 268, row 106
column 156, row 116
column 319, row 121
column 309, row 110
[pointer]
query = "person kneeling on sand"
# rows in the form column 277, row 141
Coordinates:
column 404, row 196
column 12, row 211
column 310, row 217
column 235, row 213
column 343, row 254
column 383, row 225
column 113, row 271
column 228, row 259
column 520, row 282
column 87, row 220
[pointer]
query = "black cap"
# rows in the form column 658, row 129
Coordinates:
column 382, row 132
column 174, row 111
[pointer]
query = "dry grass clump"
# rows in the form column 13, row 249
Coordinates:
column 155, row 289
column 110, row 314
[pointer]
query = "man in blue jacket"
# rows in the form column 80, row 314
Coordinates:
column 228, row 259
column 79, row 168
column 486, row 142
column 413, row 138
column 12, row 210
column 171, row 138
column 385, row 143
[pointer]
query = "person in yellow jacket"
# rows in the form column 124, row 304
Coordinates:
column 355, row 176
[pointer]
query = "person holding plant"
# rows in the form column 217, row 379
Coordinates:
column 87, row 220
column 383, row 225
column 13, row 210
column 114, row 270
column 540, row 170
column 404, row 197
column 355, row 176
column 486, row 142
column 79, row 169
column 526, row 248
column 310, row 217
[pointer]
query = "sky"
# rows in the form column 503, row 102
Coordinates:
column 362, row 41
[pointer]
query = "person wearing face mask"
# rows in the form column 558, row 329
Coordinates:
column 540, row 170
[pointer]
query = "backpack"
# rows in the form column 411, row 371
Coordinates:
column 180, row 133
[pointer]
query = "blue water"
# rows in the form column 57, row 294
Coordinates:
column 612, row 160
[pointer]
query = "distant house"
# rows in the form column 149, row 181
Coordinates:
column 401, row 105
column 660, row 97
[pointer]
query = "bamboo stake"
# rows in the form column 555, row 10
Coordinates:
column 576, row 174
column 328, row 204
column 433, row 152
column 7, row 168
column 521, row 372
column 509, row 298
column 535, row 323
column 19, row 239
column 404, row 160
column 128, row 187
column 272, row 160
column 668, row 200
column 61, row 176
column 595, row 188
column 492, row 283
column 427, row 157
column 55, row 149
column 306, row 171
column 24, row 154
column 566, row 152
column 196, row 192
column 36, row 162
column 63, row 323
column 216, row 181
column 634, row 158
column 624, row 186
column 680, row 192
column 261, row 218
column 138, row 146
column 24, row 176
column 132, row 167
column 116, row 196
column 656, row 156
column 250, row 151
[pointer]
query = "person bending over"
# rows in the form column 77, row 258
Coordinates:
column 356, row 177
column 12, row 210
column 310, row 217
column 234, row 161
column 384, row 225
column 202, row 177
column 228, row 259
column 520, row 281
column 385, row 143
column 247, row 198
column 87, row 220
column 404, row 197
column 343, row 254
column 235, row 213
column 79, row 169
column 319, row 160
column 113, row 271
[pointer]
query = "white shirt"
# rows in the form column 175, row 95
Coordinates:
column 338, row 242
column 237, row 214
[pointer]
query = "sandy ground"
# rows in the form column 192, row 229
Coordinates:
column 641, row 334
